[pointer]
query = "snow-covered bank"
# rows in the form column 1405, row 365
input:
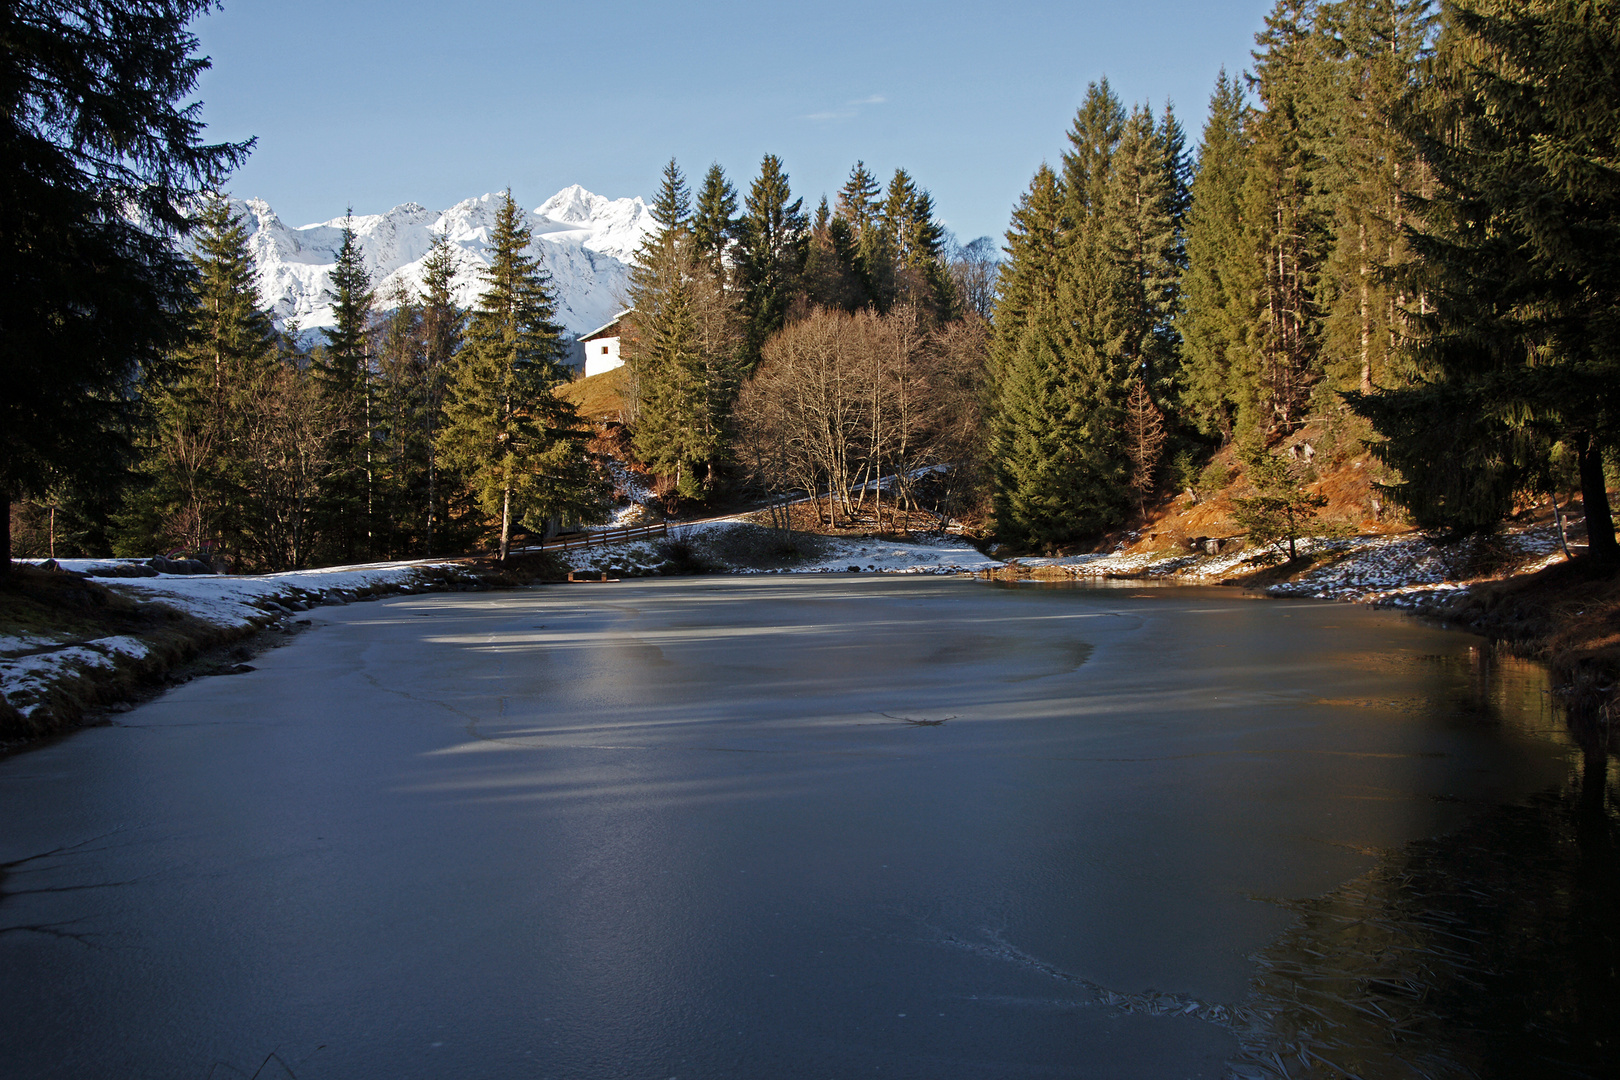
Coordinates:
column 739, row 546
column 1399, row 570
column 45, row 678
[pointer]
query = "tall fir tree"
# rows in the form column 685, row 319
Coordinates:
column 201, row 484
column 1374, row 51
column 1146, row 246
column 1283, row 218
column 1021, row 391
column 830, row 279
column 714, row 220
column 771, row 251
column 443, row 323
column 520, row 446
column 101, row 166
column 866, row 249
column 344, row 369
column 682, row 352
column 1517, row 332
column 1220, row 316
column 1094, row 312
column 400, row 429
column 915, row 243
column 672, row 206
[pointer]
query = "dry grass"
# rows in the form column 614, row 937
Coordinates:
column 70, row 609
column 599, row 398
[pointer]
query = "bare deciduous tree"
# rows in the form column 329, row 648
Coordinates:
column 847, row 404
column 1144, row 441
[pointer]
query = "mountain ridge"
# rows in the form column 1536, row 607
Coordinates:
column 584, row 240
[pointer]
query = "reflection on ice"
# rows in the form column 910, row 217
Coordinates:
column 713, row 827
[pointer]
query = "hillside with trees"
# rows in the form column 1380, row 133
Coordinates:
column 1388, row 255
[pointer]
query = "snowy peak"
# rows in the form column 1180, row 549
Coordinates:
column 584, row 240
column 571, row 204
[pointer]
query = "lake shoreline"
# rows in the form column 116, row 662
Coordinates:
column 1514, row 594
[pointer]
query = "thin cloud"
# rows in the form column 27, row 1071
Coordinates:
column 849, row 111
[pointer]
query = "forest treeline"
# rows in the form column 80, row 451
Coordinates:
column 806, row 353
column 411, row 427
column 1400, row 225
column 1397, row 226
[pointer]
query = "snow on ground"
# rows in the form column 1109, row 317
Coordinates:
column 30, row 665
column 637, row 496
column 952, row 555
column 716, row 543
column 25, row 680
column 230, row 600
column 1399, row 570
column 1396, row 570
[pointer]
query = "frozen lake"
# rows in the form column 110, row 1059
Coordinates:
column 787, row 827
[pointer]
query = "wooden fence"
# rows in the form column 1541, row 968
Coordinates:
column 605, row 536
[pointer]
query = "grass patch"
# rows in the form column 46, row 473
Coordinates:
column 600, row 397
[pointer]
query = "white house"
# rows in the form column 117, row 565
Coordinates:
column 602, row 347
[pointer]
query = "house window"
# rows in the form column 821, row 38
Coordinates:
column 604, row 350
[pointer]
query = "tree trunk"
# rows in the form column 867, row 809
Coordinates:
column 1366, row 318
column 1558, row 518
column 1600, row 542
column 506, row 520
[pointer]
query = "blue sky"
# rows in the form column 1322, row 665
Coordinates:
column 374, row 104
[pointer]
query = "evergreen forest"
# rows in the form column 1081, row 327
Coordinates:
column 1397, row 226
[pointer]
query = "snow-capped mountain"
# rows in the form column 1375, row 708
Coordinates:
column 584, row 240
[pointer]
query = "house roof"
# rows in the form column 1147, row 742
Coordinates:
column 602, row 331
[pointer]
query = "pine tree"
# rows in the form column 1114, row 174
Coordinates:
column 101, row 162
column 829, row 277
column 443, row 323
column 344, row 370
column 1029, row 276
column 1283, row 219
column 672, row 206
column 1058, row 463
column 1280, row 511
column 1517, row 332
column 714, row 222
column 867, row 249
column 1094, row 313
column 202, row 488
column 915, row 242
column 1364, row 167
column 1024, row 418
column 521, row 446
column 1145, row 243
column 401, row 399
column 1221, row 287
column 771, row 252
column 1098, row 126
column 683, row 354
